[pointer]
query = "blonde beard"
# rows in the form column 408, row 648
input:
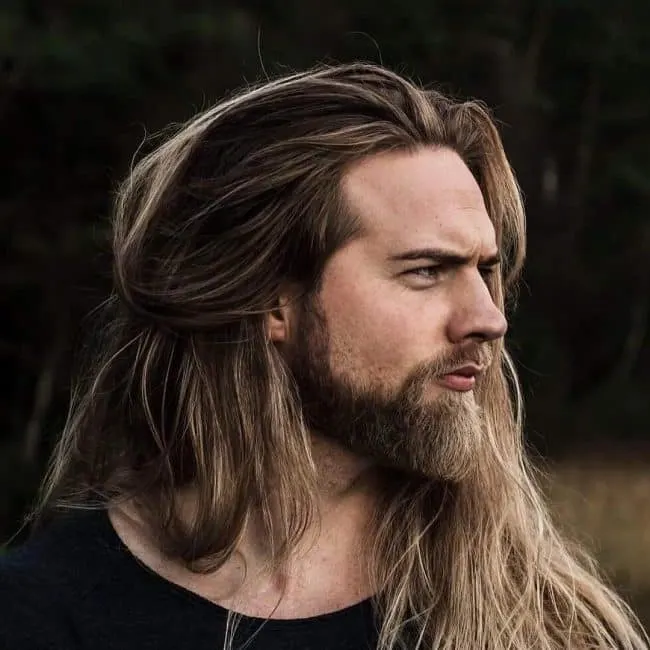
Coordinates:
column 446, row 437
column 438, row 438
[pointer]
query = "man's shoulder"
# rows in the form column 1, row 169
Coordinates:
column 43, row 582
column 26, row 571
column 30, row 603
column 42, row 562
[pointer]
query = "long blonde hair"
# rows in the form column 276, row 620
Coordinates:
column 184, row 387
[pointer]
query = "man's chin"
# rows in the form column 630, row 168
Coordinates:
column 435, row 395
column 447, row 446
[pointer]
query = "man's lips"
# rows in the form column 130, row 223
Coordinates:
column 462, row 378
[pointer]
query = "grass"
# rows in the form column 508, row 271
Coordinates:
column 605, row 502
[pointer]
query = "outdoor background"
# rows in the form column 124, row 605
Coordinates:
column 82, row 83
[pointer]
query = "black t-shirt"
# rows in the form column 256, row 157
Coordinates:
column 76, row 586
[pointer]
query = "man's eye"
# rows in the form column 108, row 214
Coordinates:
column 426, row 272
column 433, row 272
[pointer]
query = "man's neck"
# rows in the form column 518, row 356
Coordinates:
column 327, row 572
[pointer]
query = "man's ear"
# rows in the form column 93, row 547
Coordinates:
column 280, row 320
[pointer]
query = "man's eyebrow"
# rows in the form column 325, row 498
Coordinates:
column 442, row 256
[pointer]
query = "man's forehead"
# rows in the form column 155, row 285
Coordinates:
column 427, row 198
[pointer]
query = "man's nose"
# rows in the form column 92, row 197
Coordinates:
column 475, row 316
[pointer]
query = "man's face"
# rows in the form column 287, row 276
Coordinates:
column 399, row 309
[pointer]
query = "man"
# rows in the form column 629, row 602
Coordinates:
column 297, row 430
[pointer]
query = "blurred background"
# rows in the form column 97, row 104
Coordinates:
column 83, row 83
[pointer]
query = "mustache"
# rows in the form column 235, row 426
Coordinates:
column 477, row 354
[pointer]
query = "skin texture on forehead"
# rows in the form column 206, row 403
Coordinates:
column 415, row 197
